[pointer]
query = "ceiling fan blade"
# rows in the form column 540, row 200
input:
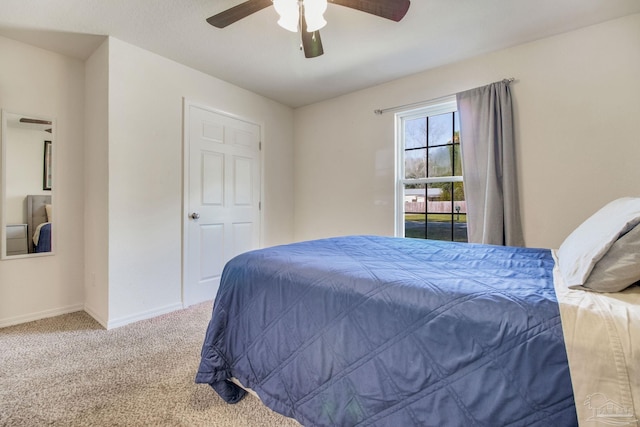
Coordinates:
column 238, row 12
column 34, row 121
column 390, row 9
column 311, row 42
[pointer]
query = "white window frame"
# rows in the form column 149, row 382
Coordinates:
column 432, row 108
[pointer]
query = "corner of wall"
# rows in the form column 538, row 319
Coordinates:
column 96, row 194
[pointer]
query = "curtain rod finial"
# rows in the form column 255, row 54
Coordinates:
column 378, row 112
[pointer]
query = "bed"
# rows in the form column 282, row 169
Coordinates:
column 382, row 331
column 39, row 223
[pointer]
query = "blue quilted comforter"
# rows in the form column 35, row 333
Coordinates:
column 364, row 330
column 44, row 239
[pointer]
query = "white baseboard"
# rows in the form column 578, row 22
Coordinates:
column 40, row 315
column 116, row 323
column 110, row 324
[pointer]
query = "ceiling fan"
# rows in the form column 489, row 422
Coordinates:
column 36, row 122
column 306, row 16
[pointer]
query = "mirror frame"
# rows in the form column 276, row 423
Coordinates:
column 3, row 180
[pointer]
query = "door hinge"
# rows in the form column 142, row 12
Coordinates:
column 260, row 146
column 259, row 206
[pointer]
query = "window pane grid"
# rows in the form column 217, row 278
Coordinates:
column 433, row 191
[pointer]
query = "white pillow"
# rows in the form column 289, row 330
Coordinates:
column 48, row 209
column 619, row 268
column 588, row 243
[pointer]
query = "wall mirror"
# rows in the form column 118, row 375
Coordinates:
column 27, row 187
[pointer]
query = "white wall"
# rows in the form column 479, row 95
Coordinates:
column 577, row 103
column 96, row 190
column 40, row 83
column 145, row 174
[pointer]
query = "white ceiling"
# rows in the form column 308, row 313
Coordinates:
column 361, row 50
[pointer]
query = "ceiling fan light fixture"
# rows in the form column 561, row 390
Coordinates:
column 289, row 12
column 314, row 14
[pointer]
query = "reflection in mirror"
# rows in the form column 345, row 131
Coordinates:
column 27, row 162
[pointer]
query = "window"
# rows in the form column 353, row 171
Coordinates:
column 430, row 202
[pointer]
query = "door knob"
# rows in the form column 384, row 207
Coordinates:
column 194, row 215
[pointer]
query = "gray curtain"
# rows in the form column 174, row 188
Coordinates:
column 489, row 165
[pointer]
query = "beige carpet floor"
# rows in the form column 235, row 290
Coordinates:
column 69, row 371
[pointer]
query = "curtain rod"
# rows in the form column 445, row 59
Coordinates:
column 420, row 103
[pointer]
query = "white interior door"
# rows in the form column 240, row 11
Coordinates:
column 222, row 181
